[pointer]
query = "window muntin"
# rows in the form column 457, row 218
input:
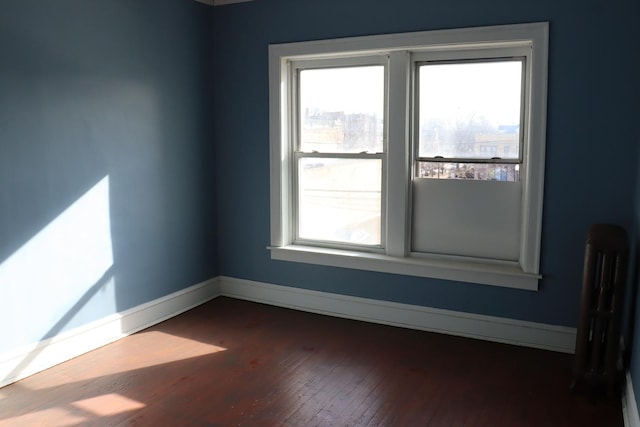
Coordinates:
column 339, row 159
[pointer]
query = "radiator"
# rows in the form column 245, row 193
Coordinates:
column 598, row 336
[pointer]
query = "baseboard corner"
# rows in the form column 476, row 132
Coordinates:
column 28, row 360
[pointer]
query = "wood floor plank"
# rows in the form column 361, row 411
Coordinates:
column 237, row 363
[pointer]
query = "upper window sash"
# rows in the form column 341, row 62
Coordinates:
column 519, row 51
column 341, row 109
column 292, row 83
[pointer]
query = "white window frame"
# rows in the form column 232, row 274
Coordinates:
column 397, row 257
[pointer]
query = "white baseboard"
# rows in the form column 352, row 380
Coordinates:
column 528, row 334
column 629, row 406
column 28, row 360
column 20, row 363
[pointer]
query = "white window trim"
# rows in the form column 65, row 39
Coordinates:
column 398, row 258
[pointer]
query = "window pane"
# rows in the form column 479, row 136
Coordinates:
column 341, row 109
column 470, row 110
column 470, row 171
column 340, row 200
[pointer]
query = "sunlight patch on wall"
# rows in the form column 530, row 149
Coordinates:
column 43, row 279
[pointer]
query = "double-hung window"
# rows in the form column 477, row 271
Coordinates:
column 418, row 154
column 338, row 152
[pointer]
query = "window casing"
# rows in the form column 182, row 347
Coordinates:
column 481, row 225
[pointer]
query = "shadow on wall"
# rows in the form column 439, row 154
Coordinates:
column 102, row 133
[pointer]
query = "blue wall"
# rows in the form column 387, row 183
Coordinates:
column 591, row 145
column 103, row 104
column 123, row 90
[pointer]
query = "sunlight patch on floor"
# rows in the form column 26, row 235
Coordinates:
column 56, row 416
column 108, row 405
column 141, row 350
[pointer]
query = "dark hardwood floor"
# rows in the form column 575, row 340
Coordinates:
column 236, row 363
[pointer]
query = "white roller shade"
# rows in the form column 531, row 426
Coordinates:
column 467, row 218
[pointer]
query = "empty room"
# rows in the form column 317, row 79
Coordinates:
column 304, row 213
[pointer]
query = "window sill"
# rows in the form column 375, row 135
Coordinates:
column 508, row 276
